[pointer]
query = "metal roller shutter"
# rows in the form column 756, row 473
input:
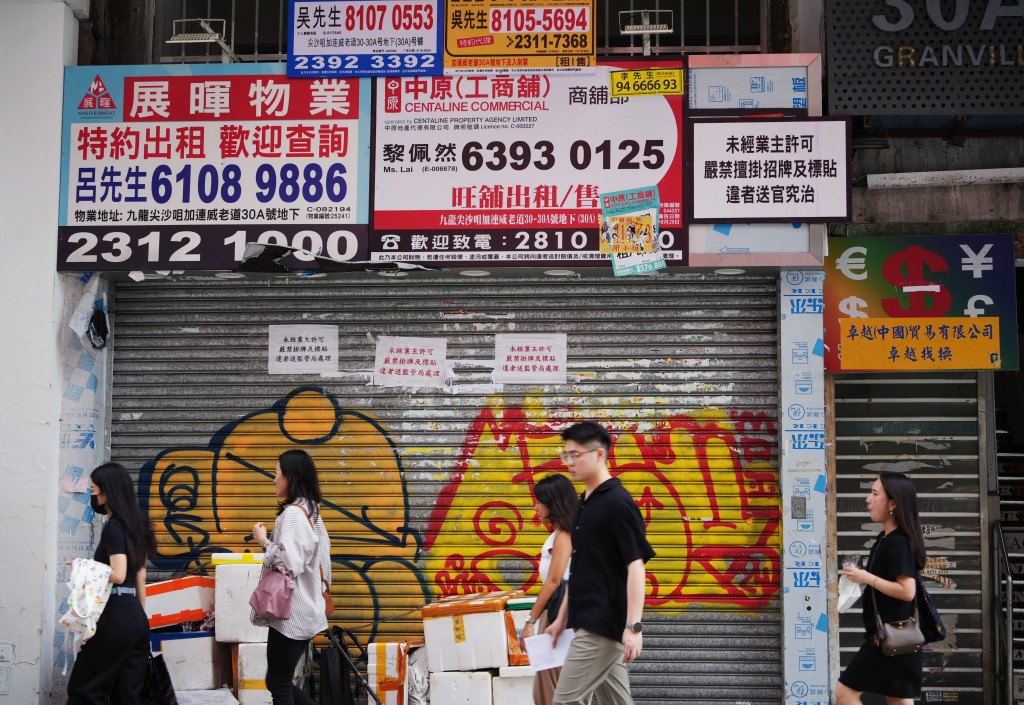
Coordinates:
column 925, row 425
column 429, row 492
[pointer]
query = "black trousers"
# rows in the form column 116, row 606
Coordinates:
column 283, row 656
column 113, row 663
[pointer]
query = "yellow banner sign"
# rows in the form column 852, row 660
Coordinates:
column 519, row 35
column 955, row 343
column 626, row 84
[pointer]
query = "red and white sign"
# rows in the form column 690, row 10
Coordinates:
column 410, row 362
column 509, row 168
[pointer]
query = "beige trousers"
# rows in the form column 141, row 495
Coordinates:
column 594, row 667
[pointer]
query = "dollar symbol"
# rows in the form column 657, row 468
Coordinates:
column 851, row 307
column 907, row 268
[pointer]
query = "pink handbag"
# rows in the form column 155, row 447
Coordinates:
column 273, row 595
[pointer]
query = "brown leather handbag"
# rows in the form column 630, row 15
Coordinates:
column 899, row 637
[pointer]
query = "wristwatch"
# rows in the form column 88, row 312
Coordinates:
column 530, row 619
column 635, row 627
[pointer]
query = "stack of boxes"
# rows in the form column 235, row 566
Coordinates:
column 473, row 651
column 236, row 651
column 195, row 661
column 237, row 575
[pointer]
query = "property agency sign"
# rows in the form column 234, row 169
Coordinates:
column 508, row 169
column 179, row 167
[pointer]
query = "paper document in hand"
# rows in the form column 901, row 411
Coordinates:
column 543, row 655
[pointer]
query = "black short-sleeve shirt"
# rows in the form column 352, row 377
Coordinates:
column 114, row 540
column 890, row 557
column 608, row 534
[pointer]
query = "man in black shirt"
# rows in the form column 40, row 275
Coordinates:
column 605, row 600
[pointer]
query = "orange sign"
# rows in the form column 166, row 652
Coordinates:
column 920, row 343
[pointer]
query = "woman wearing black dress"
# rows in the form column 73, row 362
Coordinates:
column 891, row 573
column 113, row 663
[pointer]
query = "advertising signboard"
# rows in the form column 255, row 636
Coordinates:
column 350, row 38
column 771, row 170
column 908, row 57
column 920, row 303
column 519, row 35
column 179, row 167
column 508, row 169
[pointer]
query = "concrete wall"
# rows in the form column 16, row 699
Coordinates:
column 937, row 209
column 37, row 39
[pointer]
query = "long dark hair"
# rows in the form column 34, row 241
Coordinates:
column 123, row 504
column 303, row 483
column 900, row 489
column 557, row 493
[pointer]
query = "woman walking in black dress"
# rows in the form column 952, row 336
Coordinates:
column 112, row 664
column 891, row 573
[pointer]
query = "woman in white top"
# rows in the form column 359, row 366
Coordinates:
column 556, row 506
column 300, row 547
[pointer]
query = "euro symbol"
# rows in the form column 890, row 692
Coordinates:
column 906, row 270
column 974, row 311
column 851, row 307
column 852, row 263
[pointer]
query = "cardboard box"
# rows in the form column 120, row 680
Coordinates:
column 195, row 660
column 250, row 665
column 461, row 688
column 188, row 599
column 235, row 583
column 387, row 670
column 467, row 633
column 514, row 623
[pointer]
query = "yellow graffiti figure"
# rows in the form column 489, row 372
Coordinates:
column 205, row 499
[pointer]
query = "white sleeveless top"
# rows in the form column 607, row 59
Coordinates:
column 545, row 558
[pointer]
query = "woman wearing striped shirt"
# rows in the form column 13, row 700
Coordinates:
column 300, row 547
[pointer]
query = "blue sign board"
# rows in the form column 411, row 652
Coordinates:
column 349, row 38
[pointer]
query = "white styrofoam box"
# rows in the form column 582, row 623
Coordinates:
column 252, row 675
column 516, row 672
column 195, row 664
column 387, row 664
column 461, row 688
column 171, row 602
column 235, row 583
column 205, row 697
column 513, row 691
column 466, row 642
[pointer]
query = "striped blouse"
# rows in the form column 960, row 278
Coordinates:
column 303, row 552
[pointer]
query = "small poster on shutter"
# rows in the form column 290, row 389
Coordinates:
column 302, row 350
column 410, row 362
column 530, row 359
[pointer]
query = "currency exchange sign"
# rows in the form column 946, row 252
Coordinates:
column 920, row 303
column 508, row 169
